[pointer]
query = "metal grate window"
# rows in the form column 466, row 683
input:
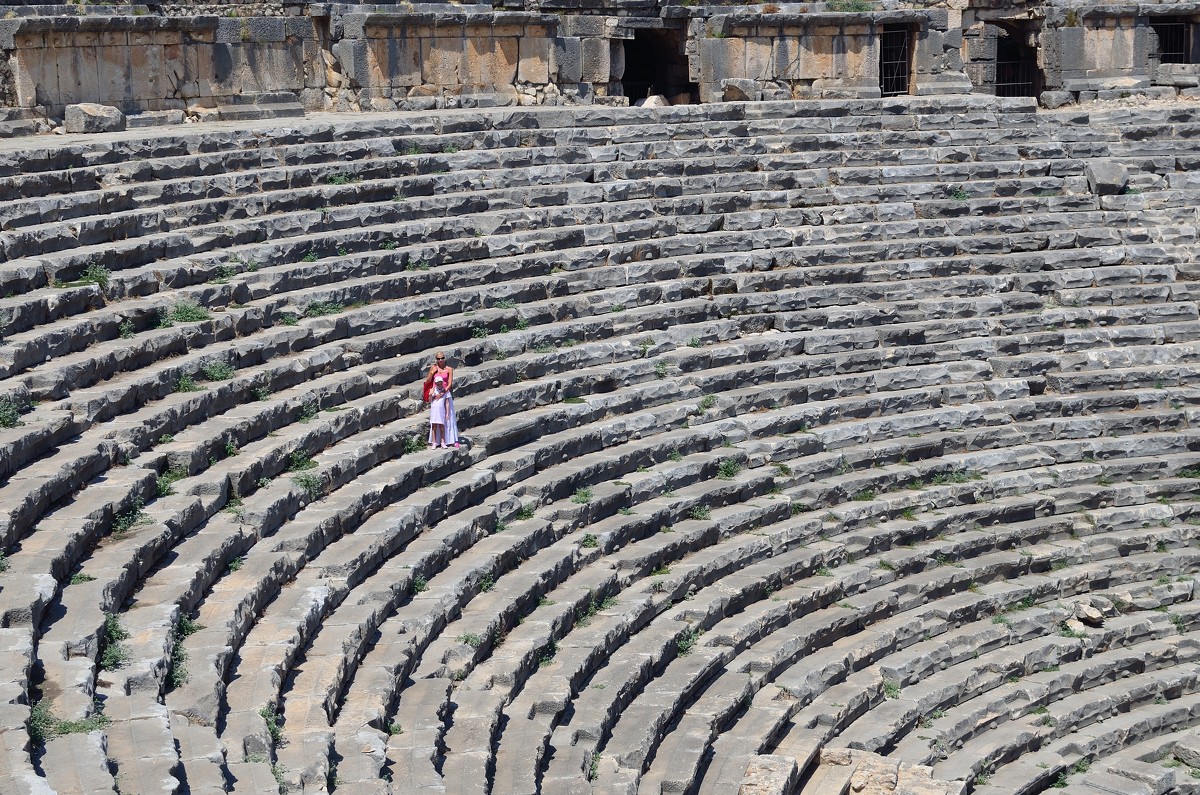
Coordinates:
column 1016, row 79
column 894, row 60
column 1173, row 41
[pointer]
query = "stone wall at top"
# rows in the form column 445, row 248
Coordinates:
column 296, row 58
column 214, row 60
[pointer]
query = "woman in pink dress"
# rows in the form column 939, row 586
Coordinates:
column 443, row 423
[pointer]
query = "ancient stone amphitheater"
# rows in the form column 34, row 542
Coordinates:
column 814, row 446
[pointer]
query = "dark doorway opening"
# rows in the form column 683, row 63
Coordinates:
column 1017, row 73
column 1174, row 39
column 895, row 60
column 655, row 63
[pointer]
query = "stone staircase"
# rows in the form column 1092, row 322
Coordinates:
column 806, row 441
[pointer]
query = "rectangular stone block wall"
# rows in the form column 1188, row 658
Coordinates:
column 153, row 64
column 396, row 58
column 798, row 57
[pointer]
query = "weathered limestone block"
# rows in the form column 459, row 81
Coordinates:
column 597, row 62
column 443, row 61
column 491, row 60
column 1055, row 99
column 737, row 89
column 721, row 59
column 567, row 65
column 1106, row 177
column 769, row 775
column 89, row 117
column 534, row 60
column 355, row 61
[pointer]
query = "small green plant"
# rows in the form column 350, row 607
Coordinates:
column 260, row 393
column 79, row 578
column 851, row 6
column 218, row 371
column 700, row 512
column 340, row 179
column 223, row 274
column 479, row 332
column 126, row 330
column 289, row 319
column 11, row 409
column 113, row 653
column 1068, row 632
column 231, row 449
column 487, row 582
column 187, row 311
column 471, row 639
column 187, row 383
column 237, row 563
column 866, row 495
column 310, row 483
column 593, row 770
column 548, row 653
column 130, row 518
column 695, row 342
column 44, row 726
column 525, row 512
column 178, row 673
column 163, row 486
column 299, row 461
column 394, row 728
column 589, row 541
column 310, row 256
column 583, row 496
column 95, row 274
column 308, row 412
column 707, row 402
column 414, row 444
column 728, row 468
column 685, row 642
column 270, row 715
column 958, row 194
column 419, row 584
column 322, row 308
column 891, row 688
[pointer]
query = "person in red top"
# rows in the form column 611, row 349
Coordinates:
column 443, row 423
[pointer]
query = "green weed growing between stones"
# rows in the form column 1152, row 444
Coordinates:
column 218, row 371
column 187, row 311
column 178, row 673
column 11, row 410
column 113, row 653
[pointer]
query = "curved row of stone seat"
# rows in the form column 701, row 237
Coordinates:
column 969, row 633
column 729, row 693
column 108, row 321
column 639, row 743
column 626, row 325
column 147, row 312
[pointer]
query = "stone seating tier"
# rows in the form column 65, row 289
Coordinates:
column 792, row 426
